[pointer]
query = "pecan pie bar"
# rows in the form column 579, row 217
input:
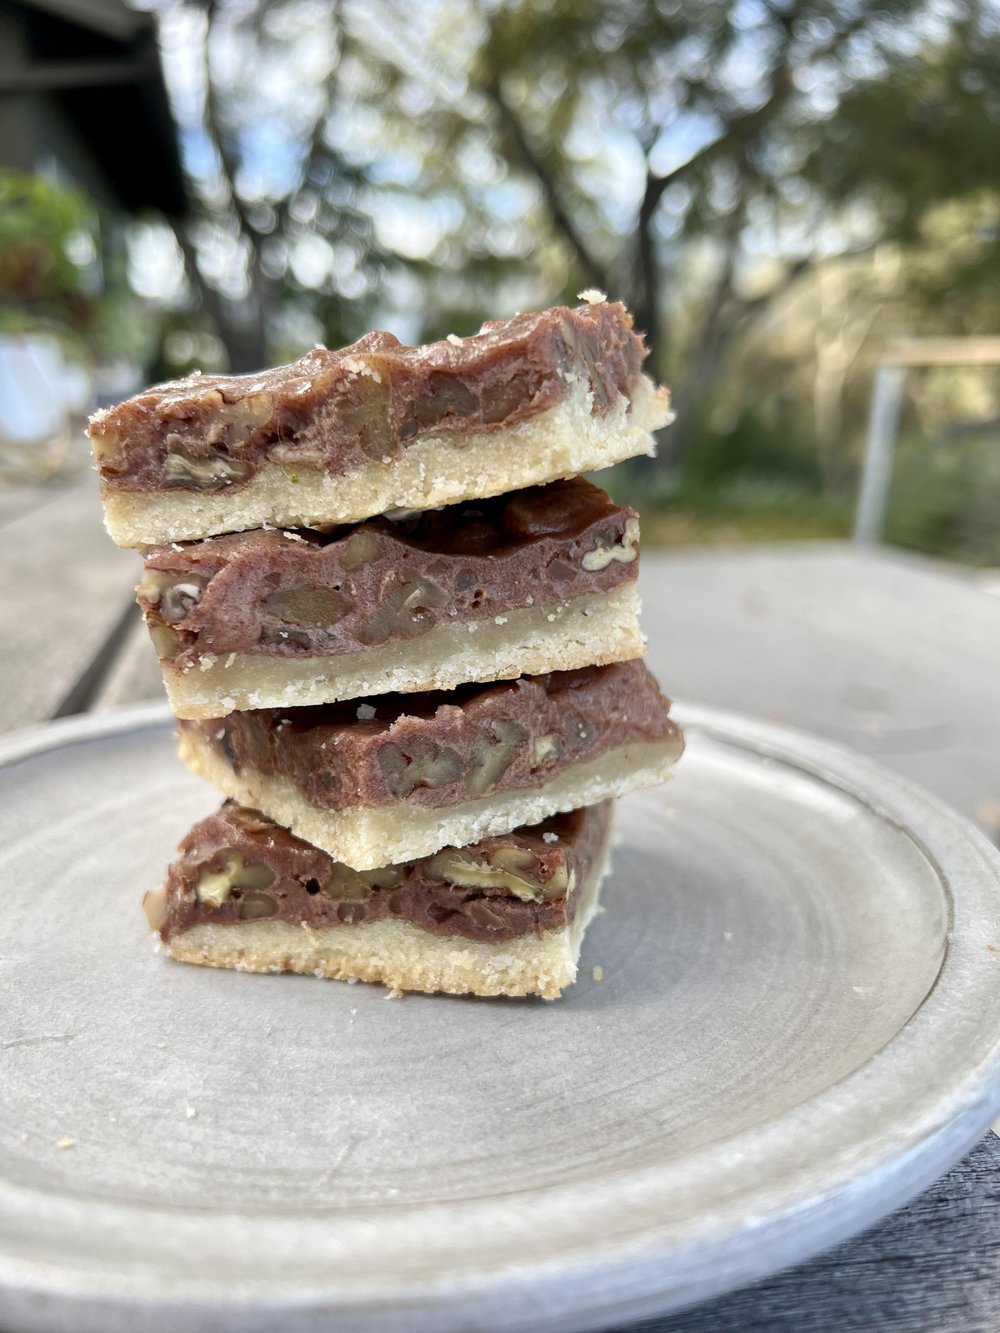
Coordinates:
column 504, row 916
column 401, row 776
column 341, row 435
column 522, row 584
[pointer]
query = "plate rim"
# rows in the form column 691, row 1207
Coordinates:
column 624, row 1278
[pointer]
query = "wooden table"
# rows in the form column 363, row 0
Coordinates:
column 888, row 653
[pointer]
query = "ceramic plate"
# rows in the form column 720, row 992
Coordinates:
column 796, row 1031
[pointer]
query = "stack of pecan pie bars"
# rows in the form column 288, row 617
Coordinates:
column 399, row 632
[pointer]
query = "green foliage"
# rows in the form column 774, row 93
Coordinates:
column 737, row 512
column 59, row 273
column 922, row 131
column 751, row 448
column 46, row 251
column 945, row 496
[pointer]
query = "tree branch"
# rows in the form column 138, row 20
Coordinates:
column 743, row 126
column 593, row 269
column 716, row 332
column 734, row 140
column 213, row 127
column 645, row 294
column 316, row 147
column 747, row 309
column 241, row 341
column 211, row 299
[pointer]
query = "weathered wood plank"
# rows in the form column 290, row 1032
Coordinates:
column 135, row 673
column 983, row 350
column 19, row 501
column 932, row 1268
column 65, row 588
column 890, row 654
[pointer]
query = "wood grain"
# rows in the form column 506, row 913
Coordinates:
column 65, row 589
column 971, row 351
column 135, row 674
column 931, row 1268
column 892, row 655
column 18, row 501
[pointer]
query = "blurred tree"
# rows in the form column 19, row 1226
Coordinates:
column 429, row 165
column 783, row 132
column 58, row 271
column 254, row 86
column 47, row 253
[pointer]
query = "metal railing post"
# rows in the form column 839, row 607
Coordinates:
column 883, row 424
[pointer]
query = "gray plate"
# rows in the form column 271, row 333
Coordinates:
column 796, row 1031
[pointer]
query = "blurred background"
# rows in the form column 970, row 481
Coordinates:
column 780, row 189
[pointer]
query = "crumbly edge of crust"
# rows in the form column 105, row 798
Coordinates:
column 585, row 631
column 562, row 441
column 401, row 955
column 365, row 837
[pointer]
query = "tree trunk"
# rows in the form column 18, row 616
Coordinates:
column 242, row 333
column 646, row 281
column 717, row 331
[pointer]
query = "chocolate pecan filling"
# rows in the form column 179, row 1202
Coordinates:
column 237, row 866
column 333, row 411
column 438, row 749
column 384, row 581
